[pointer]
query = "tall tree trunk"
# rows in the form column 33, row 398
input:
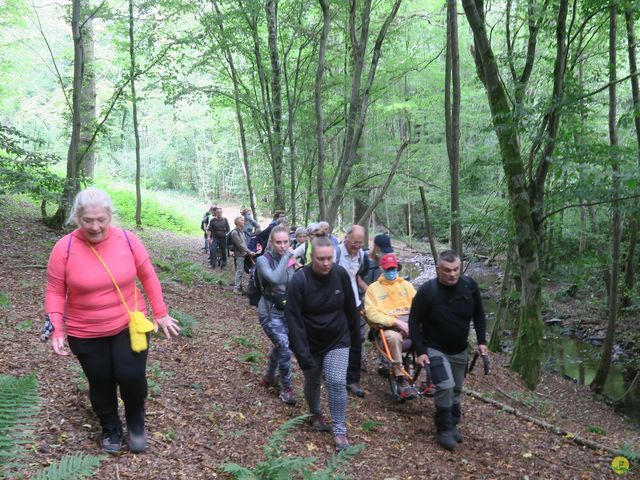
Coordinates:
column 502, row 312
column 263, row 120
column 88, row 103
column 271, row 8
column 322, row 203
column 72, row 183
column 552, row 122
column 452, row 122
column 601, row 249
column 359, row 99
column 527, row 352
column 602, row 373
column 238, row 111
column 427, row 222
column 630, row 264
column 134, row 105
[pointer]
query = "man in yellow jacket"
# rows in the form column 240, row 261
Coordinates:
column 386, row 304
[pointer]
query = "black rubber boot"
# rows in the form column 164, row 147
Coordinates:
column 445, row 430
column 136, row 432
column 112, row 438
column 455, row 416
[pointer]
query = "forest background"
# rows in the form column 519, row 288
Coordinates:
column 508, row 130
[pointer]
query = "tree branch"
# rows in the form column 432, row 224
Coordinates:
column 588, row 204
column 380, row 195
column 53, row 59
column 93, row 14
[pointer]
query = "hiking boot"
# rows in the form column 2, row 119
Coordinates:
column 137, row 442
column 287, row 396
column 318, row 424
column 340, row 442
column 406, row 391
column 455, row 418
column 269, row 382
column 445, row 429
column 356, row 389
column 237, row 291
column 112, row 439
column 446, row 439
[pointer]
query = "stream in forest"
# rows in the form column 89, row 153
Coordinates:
column 564, row 353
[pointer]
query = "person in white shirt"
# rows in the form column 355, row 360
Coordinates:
column 353, row 259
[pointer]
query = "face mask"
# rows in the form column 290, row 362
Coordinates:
column 390, row 274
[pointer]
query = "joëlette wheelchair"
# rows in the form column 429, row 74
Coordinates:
column 408, row 367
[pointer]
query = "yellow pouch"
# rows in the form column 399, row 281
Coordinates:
column 139, row 326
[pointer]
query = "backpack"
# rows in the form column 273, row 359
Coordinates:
column 204, row 224
column 254, row 286
column 229, row 241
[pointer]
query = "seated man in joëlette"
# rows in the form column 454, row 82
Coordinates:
column 386, row 305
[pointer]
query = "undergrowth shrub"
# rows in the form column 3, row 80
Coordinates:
column 277, row 466
column 185, row 321
column 19, row 406
column 153, row 214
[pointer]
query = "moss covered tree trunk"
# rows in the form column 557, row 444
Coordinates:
column 630, row 265
column 72, row 182
column 527, row 351
column 602, row 373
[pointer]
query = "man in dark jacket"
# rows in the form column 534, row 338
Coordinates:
column 439, row 326
column 218, row 229
column 321, row 317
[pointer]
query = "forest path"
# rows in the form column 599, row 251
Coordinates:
column 206, row 407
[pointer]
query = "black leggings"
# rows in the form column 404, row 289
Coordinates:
column 109, row 362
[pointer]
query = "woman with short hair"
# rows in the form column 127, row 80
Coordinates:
column 91, row 288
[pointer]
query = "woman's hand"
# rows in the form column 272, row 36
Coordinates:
column 169, row 326
column 57, row 343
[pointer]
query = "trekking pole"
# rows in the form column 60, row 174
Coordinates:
column 485, row 361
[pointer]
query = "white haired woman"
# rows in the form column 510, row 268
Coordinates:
column 91, row 288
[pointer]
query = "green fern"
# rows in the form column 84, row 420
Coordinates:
column 337, row 462
column 186, row 322
column 277, row 467
column 18, row 410
column 19, row 405
column 71, row 467
column 273, row 448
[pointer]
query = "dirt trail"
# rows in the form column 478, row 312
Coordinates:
column 206, row 407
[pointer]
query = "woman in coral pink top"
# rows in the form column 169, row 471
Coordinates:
column 83, row 304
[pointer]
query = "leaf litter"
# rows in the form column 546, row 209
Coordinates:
column 208, row 408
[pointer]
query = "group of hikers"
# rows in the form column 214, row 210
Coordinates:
column 316, row 301
column 319, row 295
